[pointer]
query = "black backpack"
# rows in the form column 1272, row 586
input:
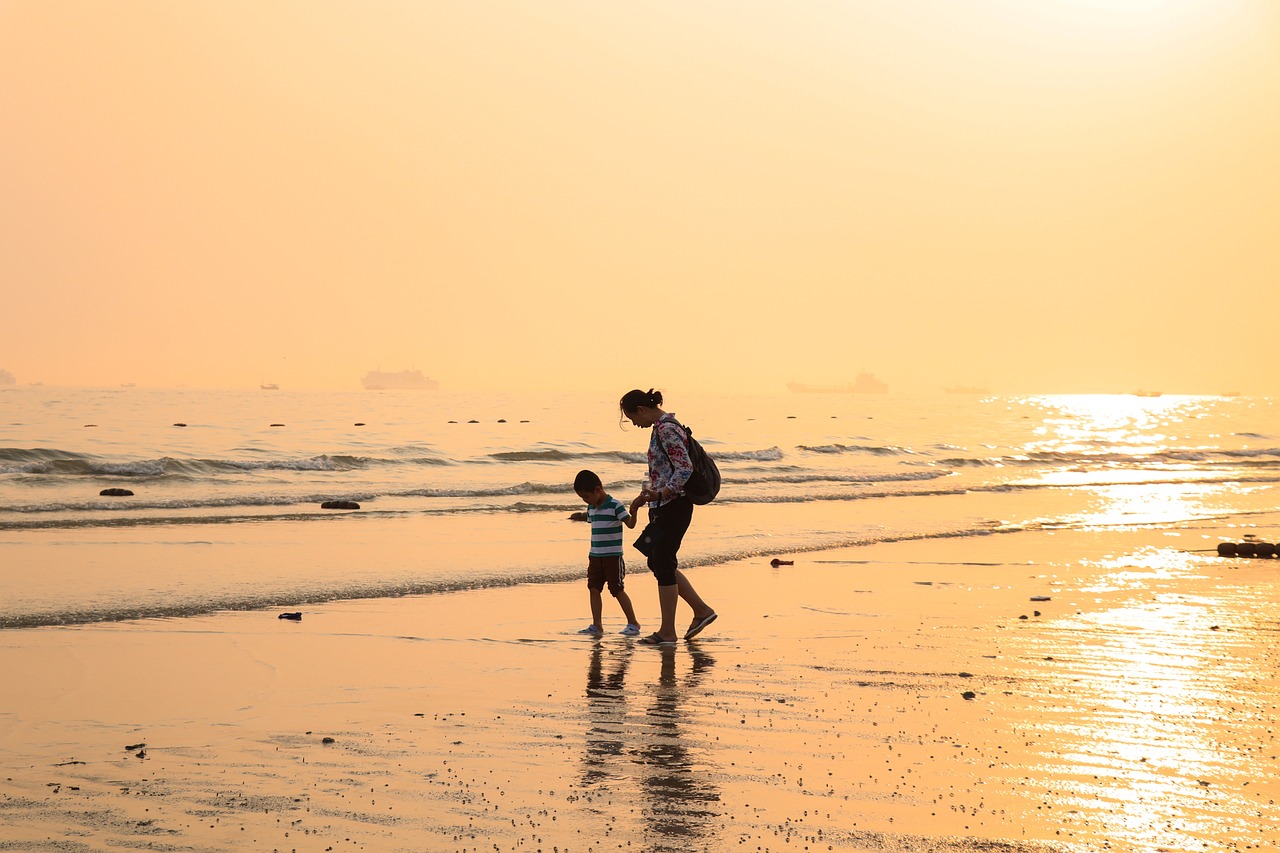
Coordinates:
column 704, row 485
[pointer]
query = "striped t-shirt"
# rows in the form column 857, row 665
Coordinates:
column 606, row 527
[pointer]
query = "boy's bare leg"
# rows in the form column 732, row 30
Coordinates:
column 597, row 608
column 628, row 610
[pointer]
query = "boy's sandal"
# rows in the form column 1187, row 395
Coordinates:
column 655, row 639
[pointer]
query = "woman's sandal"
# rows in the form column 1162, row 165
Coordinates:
column 655, row 639
column 695, row 628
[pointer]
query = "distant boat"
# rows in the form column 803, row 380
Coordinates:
column 6, row 378
column 1143, row 393
column 269, row 386
column 964, row 389
column 866, row 383
column 398, row 380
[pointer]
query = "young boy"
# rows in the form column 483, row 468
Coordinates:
column 604, row 561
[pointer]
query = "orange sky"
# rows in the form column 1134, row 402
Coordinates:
column 1065, row 195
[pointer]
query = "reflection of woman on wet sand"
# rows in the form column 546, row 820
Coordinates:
column 681, row 796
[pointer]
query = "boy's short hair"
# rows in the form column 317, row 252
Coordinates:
column 586, row 481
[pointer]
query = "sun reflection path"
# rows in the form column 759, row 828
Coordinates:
column 1165, row 739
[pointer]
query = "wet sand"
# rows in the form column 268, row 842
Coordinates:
column 905, row 696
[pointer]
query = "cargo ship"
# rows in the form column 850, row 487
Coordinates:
column 398, row 380
column 866, row 383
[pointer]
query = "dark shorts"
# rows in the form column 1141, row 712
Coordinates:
column 606, row 570
column 661, row 538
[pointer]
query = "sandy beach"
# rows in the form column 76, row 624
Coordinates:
column 1067, row 690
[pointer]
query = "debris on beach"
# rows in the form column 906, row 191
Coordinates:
column 775, row 562
column 295, row 616
column 1248, row 549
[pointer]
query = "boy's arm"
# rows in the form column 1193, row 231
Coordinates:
column 630, row 520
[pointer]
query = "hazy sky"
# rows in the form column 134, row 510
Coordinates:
column 1033, row 195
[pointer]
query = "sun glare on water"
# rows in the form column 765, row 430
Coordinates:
column 1125, row 450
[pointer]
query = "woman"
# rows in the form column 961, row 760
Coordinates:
column 670, row 512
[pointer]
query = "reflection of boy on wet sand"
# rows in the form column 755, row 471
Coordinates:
column 604, row 561
column 607, row 709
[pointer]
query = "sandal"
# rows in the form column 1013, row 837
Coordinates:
column 695, row 628
column 655, row 639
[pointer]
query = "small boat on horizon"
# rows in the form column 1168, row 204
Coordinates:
column 866, row 383
column 1144, row 393
column 269, row 386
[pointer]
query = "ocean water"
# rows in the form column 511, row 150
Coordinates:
column 461, row 490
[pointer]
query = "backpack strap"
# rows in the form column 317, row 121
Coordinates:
column 663, row 447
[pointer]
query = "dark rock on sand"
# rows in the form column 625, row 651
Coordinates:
column 116, row 493
column 295, row 616
column 968, row 694
column 339, row 505
column 775, row 562
column 578, row 516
